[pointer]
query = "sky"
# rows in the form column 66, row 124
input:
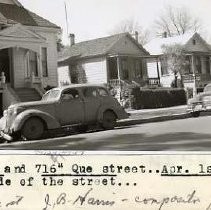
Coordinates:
column 89, row 19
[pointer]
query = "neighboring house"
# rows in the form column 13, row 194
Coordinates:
column 114, row 60
column 197, row 51
column 28, row 53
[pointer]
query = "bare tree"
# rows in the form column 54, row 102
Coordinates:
column 176, row 21
column 131, row 26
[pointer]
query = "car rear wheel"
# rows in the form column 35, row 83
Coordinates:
column 109, row 120
column 33, row 129
column 195, row 114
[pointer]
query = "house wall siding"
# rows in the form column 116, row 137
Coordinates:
column 126, row 46
column 95, row 70
column 51, row 40
column 20, row 66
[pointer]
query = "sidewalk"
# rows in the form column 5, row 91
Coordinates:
column 154, row 115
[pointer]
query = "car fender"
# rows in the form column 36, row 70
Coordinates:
column 21, row 118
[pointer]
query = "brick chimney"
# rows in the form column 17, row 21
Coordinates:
column 136, row 36
column 72, row 39
column 165, row 34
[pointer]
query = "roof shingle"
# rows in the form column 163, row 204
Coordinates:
column 18, row 14
column 95, row 47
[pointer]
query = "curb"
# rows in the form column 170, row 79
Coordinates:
column 128, row 122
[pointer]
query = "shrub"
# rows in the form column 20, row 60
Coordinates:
column 157, row 98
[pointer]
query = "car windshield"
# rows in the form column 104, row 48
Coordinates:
column 51, row 95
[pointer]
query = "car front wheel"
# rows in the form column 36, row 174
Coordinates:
column 33, row 129
column 109, row 120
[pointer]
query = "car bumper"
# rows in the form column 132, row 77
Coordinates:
column 5, row 136
column 199, row 108
column 4, row 132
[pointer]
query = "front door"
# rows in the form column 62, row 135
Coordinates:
column 5, row 64
column 70, row 109
column 92, row 103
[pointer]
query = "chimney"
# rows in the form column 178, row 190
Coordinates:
column 136, row 36
column 72, row 39
column 164, row 34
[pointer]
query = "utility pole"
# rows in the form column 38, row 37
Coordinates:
column 66, row 16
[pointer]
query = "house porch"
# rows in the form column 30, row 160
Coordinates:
column 129, row 69
column 197, row 73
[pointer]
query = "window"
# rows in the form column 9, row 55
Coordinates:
column 198, row 64
column 164, row 66
column 208, row 65
column 125, row 71
column 51, row 95
column 70, row 94
column 90, row 92
column 138, row 69
column 74, row 74
column 112, row 66
column 33, row 62
column 187, row 68
column 102, row 92
column 44, row 62
column 194, row 42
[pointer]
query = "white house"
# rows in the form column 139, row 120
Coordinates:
column 118, row 60
column 197, row 54
column 28, row 53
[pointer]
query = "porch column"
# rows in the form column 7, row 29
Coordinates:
column 40, row 66
column 158, row 71
column 119, row 67
column 119, row 95
column 194, row 75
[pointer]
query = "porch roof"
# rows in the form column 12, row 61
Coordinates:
column 155, row 46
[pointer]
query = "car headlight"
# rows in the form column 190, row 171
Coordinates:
column 15, row 110
column 5, row 113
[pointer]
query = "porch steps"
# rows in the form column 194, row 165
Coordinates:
column 27, row 94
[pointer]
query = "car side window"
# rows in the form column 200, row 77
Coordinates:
column 90, row 92
column 102, row 92
column 70, row 94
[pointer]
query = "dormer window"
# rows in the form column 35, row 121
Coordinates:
column 194, row 42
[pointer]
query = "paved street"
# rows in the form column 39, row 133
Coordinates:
column 180, row 135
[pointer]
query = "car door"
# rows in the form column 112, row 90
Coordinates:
column 105, row 98
column 92, row 103
column 71, row 108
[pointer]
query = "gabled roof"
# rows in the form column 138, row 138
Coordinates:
column 155, row 46
column 20, row 32
column 95, row 47
column 13, row 13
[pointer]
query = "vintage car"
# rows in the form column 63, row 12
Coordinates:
column 75, row 105
column 201, row 102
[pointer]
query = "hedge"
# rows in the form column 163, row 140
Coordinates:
column 157, row 98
